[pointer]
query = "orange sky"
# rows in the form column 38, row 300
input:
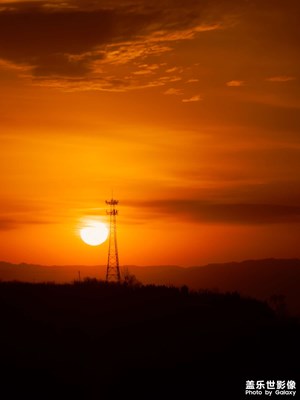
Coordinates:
column 189, row 110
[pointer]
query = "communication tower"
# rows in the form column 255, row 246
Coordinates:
column 113, row 270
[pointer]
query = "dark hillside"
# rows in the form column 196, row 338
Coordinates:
column 257, row 278
column 95, row 339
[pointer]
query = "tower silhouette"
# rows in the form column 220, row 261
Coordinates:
column 113, row 270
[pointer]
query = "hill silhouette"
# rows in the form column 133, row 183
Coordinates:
column 265, row 279
column 98, row 341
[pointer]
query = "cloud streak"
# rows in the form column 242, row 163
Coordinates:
column 15, row 214
column 83, row 40
column 235, row 83
column 7, row 224
column 192, row 99
column 281, row 78
column 173, row 91
column 205, row 212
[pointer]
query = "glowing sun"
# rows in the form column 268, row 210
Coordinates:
column 94, row 233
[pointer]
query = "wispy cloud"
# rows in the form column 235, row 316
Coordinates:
column 192, row 99
column 200, row 211
column 106, row 84
column 22, row 69
column 7, row 224
column 173, row 69
column 173, row 91
column 143, row 72
column 15, row 214
column 235, row 83
column 193, row 80
column 281, row 78
column 84, row 40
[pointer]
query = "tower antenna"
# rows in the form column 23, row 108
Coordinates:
column 113, row 269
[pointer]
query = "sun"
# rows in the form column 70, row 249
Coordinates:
column 94, row 233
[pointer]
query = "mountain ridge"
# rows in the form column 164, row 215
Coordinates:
column 261, row 278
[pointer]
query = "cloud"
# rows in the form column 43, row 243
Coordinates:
column 173, row 69
column 7, row 224
column 85, row 39
column 192, row 99
column 193, row 80
column 235, row 83
column 143, row 72
column 15, row 214
column 22, row 68
column 205, row 212
column 89, row 41
column 281, row 78
column 173, row 91
column 105, row 84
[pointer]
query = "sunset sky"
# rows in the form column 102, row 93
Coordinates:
column 189, row 110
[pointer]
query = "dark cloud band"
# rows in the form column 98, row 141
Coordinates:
column 201, row 212
column 65, row 39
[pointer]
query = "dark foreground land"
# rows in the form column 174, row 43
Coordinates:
column 95, row 340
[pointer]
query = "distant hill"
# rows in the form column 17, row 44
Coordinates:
column 258, row 278
column 41, row 273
